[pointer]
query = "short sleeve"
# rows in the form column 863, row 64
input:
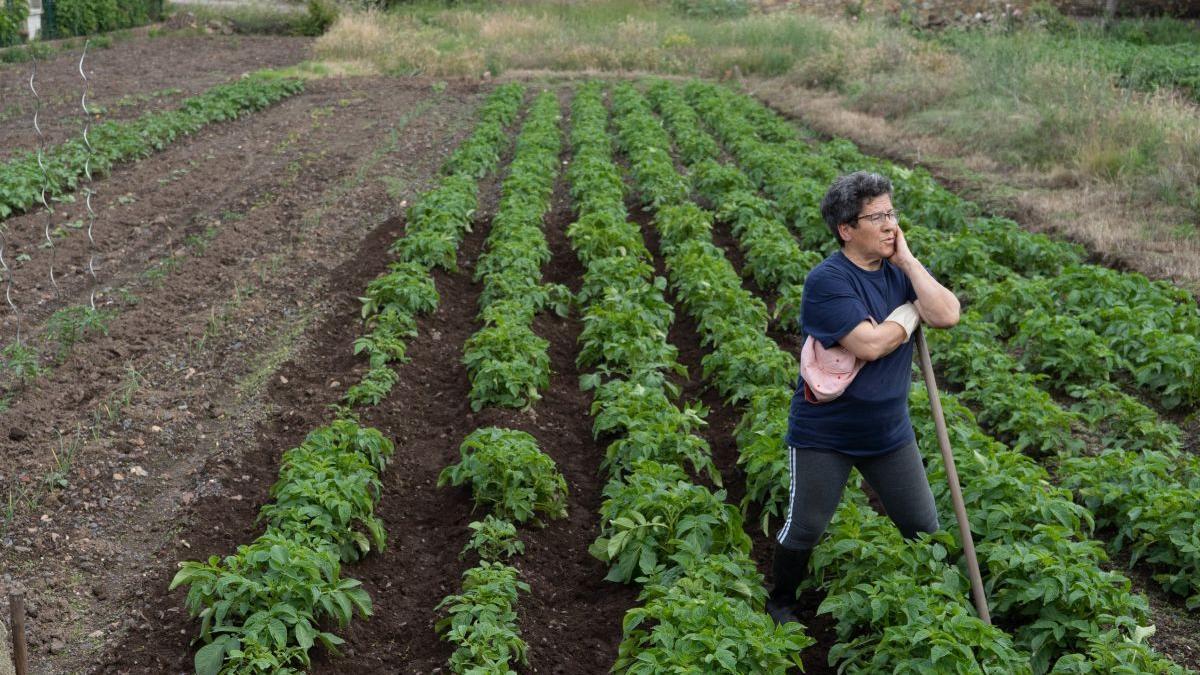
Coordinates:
column 830, row 308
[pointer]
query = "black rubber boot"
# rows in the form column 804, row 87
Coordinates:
column 789, row 569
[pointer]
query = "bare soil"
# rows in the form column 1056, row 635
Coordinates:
column 218, row 274
column 234, row 260
column 132, row 77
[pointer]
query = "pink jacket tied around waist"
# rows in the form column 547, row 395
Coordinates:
column 826, row 372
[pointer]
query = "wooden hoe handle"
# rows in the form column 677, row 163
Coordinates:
column 960, row 509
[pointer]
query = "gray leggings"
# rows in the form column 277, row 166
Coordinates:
column 818, row 479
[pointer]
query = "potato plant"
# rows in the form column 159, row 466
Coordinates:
column 263, row 608
column 63, row 166
column 510, row 475
column 493, row 538
column 1047, row 572
column 507, row 363
column 658, row 527
column 482, row 621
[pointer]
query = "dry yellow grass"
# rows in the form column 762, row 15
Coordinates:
column 356, row 37
column 1044, row 134
column 1116, row 229
column 500, row 27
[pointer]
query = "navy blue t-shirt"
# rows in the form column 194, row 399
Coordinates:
column 871, row 417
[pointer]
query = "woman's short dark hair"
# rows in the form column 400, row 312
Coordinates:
column 846, row 197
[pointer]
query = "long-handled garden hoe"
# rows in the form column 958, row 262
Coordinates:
column 960, row 509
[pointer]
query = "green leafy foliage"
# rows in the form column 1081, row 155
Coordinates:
column 653, row 512
column 493, row 539
column 21, row 178
column 480, row 153
column 482, row 621
column 899, row 606
column 87, row 17
column 1153, row 511
column 510, row 475
column 703, row 597
column 407, row 288
column 263, row 608
column 644, row 140
column 320, row 15
column 649, row 426
column 1049, row 574
column 21, row 362
column 12, row 20
column 69, row 325
column 508, row 364
column 689, row 630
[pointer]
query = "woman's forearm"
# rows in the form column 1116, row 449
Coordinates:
column 939, row 307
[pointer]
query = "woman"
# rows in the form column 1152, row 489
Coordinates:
column 867, row 297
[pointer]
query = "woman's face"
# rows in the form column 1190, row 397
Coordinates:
column 873, row 237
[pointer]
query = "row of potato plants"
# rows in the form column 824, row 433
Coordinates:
column 436, row 224
column 679, row 539
column 1153, row 326
column 512, row 478
column 264, row 607
column 1157, row 530
column 1148, row 495
column 999, row 497
column 899, row 605
column 954, row 256
column 506, row 361
column 63, row 166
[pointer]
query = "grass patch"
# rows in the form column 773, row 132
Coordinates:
column 249, row 18
column 1019, row 95
column 430, row 39
column 281, row 349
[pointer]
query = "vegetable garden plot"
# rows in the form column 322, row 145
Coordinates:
column 237, row 303
column 1041, row 313
column 60, row 169
column 745, row 219
column 408, row 382
column 129, row 78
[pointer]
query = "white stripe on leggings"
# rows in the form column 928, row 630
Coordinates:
column 787, row 524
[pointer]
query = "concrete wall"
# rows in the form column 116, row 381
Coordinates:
column 33, row 24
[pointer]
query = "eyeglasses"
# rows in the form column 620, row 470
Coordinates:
column 881, row 217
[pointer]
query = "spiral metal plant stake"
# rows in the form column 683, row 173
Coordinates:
column 87, row 172
column 8, row 284
column 41, row 152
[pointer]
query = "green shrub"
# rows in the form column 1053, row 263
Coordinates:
column 12, row 17
column 321, row 15
column 712, row 8
column 86, row 17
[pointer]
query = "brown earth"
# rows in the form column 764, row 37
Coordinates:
column 235, row 259
column 128, row 79
column 217, row 274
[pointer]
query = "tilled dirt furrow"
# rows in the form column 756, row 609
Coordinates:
column 195, row 284
column 127, row 79
column 425, row 416
column 722, row 419
column 207, row 342
column 145, row 210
